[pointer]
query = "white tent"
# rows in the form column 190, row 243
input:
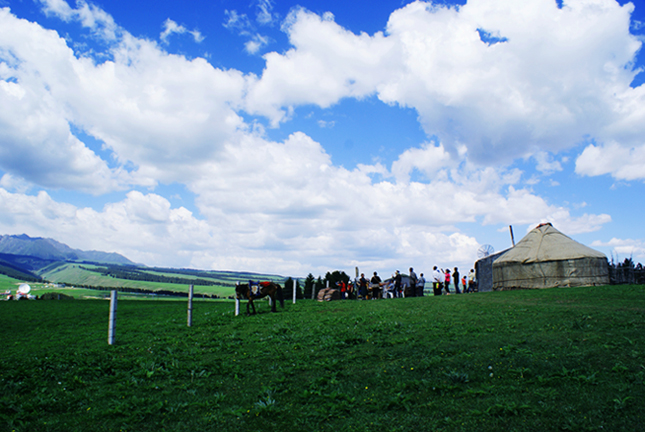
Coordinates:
column 546, row 258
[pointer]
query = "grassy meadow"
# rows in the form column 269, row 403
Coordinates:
column 551, row 360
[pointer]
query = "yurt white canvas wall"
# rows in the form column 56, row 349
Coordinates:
column 546, row 258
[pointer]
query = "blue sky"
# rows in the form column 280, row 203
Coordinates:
column 298, row 137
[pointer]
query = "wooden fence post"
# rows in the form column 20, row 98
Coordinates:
column 237, row 300
column 112, row 319
column 190, row 306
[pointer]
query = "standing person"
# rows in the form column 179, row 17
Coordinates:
column 464, row 284
column 471, row 280
column 421, row 284
column 456, row 280
column 397, row 283
column 447, row 282
column 413, row 283
column 362, row 286
column 437, row 278
column 375, row 285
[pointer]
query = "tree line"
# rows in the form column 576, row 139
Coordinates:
column 15, row 273
column 130, row 273
column 626, row 272
column 145, row 291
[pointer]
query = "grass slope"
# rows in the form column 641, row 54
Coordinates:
column 78, row 274
column 8, row 283
column 559, row 359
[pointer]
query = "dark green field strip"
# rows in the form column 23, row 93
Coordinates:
column 565, row 359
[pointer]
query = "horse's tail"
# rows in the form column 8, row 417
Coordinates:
column 280, row 296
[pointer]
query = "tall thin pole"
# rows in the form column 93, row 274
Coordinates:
column 190, row 306
column 510, row 227
column 112, row 321
column 294, row 291
column 237, row 300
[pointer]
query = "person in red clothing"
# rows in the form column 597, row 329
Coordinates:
column 446, row 285
column 343, row 289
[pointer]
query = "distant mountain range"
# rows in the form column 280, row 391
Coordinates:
column 51, row 250
column 36, row 259
column 27, row 255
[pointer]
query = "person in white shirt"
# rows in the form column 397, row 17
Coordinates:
column 471, row 280
column 437, row 284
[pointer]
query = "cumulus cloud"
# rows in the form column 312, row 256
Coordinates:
column 505, row 79
column 325, row 64
column 429, row 160
column 157, row 113
column 284, row 207
column 287, row 199
column 37, row 142
column 621, row 162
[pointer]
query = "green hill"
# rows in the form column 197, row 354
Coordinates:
column 217, row 283
column 35, row 259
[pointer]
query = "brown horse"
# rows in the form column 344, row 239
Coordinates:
column 267, row 289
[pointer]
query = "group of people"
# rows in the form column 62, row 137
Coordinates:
column 441, row 281
column 375, row 288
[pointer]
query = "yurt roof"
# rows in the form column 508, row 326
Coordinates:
column 545, row 243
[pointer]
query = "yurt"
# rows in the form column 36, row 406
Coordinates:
column 546, row 258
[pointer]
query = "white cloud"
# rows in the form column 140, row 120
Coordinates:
column 244, row 27
column 283, row 207
column 89, row 15
column 170, row 27
column 287, row 199
column 429, row 160
column 552, row 82
column 623, row 163
column 624, row 248
column 326, row 124
column 326, row 64
column 554, row 76
column 545, row 163
column 159, row 114
column 265, row 15
column 237, row 21
column 37, row 142
column 256, row 43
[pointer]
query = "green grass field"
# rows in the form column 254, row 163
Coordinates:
column 38, row 289
column 551, row 360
